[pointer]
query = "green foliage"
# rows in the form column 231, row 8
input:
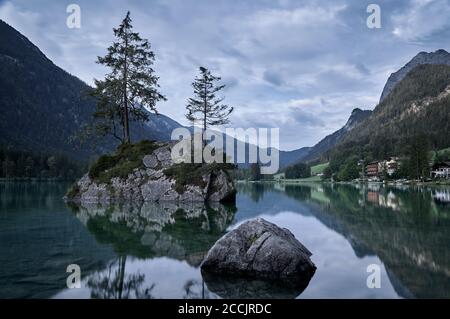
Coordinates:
column 349, row 170
column 327, row 173
column 192, row 174
column 402, row 170
column 42, row 105
column 418, row 157
column 441, row 155
column 395, row 123
column 255, row 172
column 127, row 158
column 299, row 170
column 206, row 106
column 25, row 164
column 319, row 168
column 73, row 191
column 129, row 87
column 103, row 163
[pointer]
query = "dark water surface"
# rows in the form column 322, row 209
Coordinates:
column 154, row 250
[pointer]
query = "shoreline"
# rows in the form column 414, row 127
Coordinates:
column 35, row 179
column 390, row 183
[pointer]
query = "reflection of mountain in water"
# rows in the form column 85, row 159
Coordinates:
column 176, row 230
column 405, row 228
column 411, row 238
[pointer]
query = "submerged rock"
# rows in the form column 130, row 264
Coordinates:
column 153, row 178
column 259, row 249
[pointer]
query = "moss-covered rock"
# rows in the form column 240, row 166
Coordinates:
column 145, row 172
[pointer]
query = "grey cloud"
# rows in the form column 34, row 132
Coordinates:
column 269, row 53
column 273, row 77
column 306, row 119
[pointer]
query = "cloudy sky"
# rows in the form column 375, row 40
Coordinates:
column 298, row 65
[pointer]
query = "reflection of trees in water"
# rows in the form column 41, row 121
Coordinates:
column 196, row 289
column 182, row 231
column 116, row 284
column 31, row 195
column 299, row 192
column 254, row 190
column 403, row 227
column 146, row 230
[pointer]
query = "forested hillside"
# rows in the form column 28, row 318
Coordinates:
column 42, row 107
column 414, row 117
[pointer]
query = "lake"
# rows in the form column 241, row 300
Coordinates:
column 154, row 250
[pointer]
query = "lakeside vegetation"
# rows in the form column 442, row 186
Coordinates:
column 24, row 165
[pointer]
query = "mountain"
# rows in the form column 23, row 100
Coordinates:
column 437, row 57
column 291, row 157
column 418, row 105
column 42, row 106
column 160, row 126
column 356, row 118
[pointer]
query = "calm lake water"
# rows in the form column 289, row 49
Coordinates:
column 154, row 250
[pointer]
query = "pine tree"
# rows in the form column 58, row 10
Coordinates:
column 255, row 172
column 418, row 154
column 130, row 87
column 206, row 106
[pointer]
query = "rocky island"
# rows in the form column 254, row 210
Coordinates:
column 145, row 172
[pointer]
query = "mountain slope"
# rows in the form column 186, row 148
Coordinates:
column 291, row 157
column 356, row 118
column 42, row 106
column 419, row 104
column 437, row 57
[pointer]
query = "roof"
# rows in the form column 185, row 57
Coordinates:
column 441, row 164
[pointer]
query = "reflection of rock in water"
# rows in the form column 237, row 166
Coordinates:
column 183, row 231
column 266, row 261
column 247, row 288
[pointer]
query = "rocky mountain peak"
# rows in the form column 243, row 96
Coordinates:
column 438, row 57
column 356, row 117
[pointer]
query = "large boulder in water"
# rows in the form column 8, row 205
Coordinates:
column 259, row 249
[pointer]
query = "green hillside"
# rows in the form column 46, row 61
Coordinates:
column 418, row 107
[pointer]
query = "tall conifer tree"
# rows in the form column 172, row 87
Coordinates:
column 206, row 107
column 130, row 87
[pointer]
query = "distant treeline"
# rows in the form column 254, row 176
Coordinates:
column 23, row 164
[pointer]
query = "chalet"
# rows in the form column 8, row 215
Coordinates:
column 377, row 168
column 279, row 176
column 391, row 166
column 441, row 170
column 373, row 169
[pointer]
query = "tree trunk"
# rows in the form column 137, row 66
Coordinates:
column 205, row 104
column 125, row 98
column 122, row 263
